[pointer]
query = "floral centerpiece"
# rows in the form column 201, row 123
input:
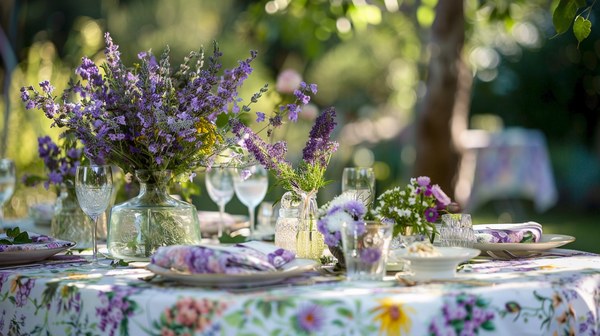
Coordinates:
column 416, row 207
column 345, row 208
column 152, row 121
column 61, row 160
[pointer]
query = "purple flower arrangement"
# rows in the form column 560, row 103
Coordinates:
column 60, row 162
column 150, row 116
column 342, row 209
column 417, row 206
column 308, row 177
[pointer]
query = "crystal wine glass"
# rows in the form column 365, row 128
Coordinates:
column 250, row 186
column 94, row 185
column 219, row 184
column 361, row 181
column 7, row 184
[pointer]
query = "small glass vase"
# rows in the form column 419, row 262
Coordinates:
column 151, row 220
column 69, row 222
column 310, row 243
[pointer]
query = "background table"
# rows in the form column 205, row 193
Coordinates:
column 530, row 297
column 511, row 164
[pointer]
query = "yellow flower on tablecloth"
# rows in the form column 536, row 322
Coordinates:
column 393, row 316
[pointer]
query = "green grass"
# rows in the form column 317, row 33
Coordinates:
column 582, row 225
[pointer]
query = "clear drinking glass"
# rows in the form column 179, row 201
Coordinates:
column 7, row 184
column 251, row 186
column 93, row 185
column 219, row 184
column 366, row 247
column 457, row 230
column 360, row 180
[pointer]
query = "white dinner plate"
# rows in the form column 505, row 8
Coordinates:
column 24, row 257
column 547, row 241
column 294, row 267
column 439, row 267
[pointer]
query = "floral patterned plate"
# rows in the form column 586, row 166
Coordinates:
column 42, row 248
column 294, row 267
column 547, row 241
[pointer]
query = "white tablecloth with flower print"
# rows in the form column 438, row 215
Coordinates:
column 550, row 296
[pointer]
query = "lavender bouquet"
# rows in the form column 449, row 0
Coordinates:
column 417, row 206
column 308, row 177
column 149, row 116
column 60, row 162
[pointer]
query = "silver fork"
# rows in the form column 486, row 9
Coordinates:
column 538, row 254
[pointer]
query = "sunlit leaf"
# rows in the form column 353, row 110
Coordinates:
column 581, row 28
column 565, row 13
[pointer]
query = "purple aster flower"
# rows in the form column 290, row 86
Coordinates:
column 441, row 197
column 355, row 208
column 311, row 318
column 260, row 117
column 370, row 255
column 423, row 181
column 431, row 214
column 332, row 239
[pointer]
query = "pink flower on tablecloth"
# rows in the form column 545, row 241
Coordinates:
column 311, row 318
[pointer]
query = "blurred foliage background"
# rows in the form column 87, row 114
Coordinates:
column 370, row 60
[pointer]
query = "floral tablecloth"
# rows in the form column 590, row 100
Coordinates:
column 550, row 296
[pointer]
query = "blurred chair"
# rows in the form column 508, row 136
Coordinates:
column 509, row 164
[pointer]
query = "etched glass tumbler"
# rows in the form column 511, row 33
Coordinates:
column 366, row 246
column 457, row 231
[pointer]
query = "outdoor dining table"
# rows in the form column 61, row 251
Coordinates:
column 540, row 296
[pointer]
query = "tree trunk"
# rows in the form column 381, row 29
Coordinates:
column 445, row 109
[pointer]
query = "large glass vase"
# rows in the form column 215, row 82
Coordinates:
column 151, row 220
column 69, row 222
column 310, row 243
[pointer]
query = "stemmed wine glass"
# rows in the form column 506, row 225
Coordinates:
column 94, row 185
column 361, row 181
column 250, row 186
column 219, row 184
column 7, row 184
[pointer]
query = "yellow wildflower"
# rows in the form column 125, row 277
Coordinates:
column 393, row 316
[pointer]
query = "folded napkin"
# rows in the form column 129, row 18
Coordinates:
column 529, row 232
column 245, row 258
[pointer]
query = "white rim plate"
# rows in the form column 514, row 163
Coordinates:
column 28, row 256
column 294, row 267
column 547, row 241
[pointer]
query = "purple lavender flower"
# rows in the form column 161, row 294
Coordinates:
column 25, row 96
column 310, row 318
column 313, row 88
column 370, row 255
column 260, row 117
column 318, row 147
column 46, row 87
